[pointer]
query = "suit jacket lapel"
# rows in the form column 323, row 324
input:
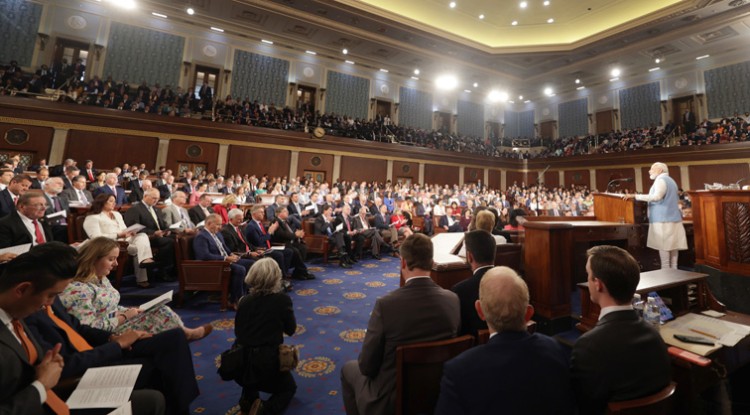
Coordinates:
column 10, row 340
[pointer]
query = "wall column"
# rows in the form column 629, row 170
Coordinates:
column 486, row 178
column 161, row 153
column 592, row 179
column 638, row 180
column 685, row 177
column 336, row 168
column 421, row 173
column 461, row 177
column 503, row 179
column 562, row 178
column 221, row 162
column 389, row 171
column 59, row 140
column 293, row 165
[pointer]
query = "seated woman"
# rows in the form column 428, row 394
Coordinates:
column 465, row 220
column 515, row 224
column 228, row 203
column 263, row 317
column 196, row 195
column 99, row 182
column 400, row 224
column 93, row 300
column 104, row 220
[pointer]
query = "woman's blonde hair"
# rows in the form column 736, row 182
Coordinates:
column 485, row 221
column 91, row 252
column 229, row 199
column 264, row 277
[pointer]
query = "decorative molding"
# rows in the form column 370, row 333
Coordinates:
column 737, row 231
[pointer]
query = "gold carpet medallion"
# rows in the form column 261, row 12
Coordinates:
column 375, row 284
column 316, row 269
column 391, row 275
column 354, row 296
column 332, row 281
column 326, row 310
column 370, row 265
column 353, row 272
column 306, row 292
column 315, row 367
column 223, row 324
column 353, row 336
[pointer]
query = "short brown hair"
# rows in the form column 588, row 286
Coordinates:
column 417, row 252
column 617, row 269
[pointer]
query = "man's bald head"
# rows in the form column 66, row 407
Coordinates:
column 504, row 300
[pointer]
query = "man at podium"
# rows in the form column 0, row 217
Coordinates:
column 665, row 232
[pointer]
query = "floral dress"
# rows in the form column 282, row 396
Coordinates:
column 97, row 304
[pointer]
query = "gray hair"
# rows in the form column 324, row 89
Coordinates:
column 235, row 212
column 214, row 217
column 504, row 298
column 178, row 194
column 661, row 166
column 264, row 277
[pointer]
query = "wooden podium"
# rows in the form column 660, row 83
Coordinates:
column 721, row 221
column 613, row 208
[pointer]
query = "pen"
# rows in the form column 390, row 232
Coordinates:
column 704, row 333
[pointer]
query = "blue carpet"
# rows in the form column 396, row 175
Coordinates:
column 332, row 313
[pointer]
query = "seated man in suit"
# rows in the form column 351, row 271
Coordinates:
column 29, row 372
column 41, row 176
column 57, row 211
column 176, row 213
column 6, row 175
column 419, row 311
column 17, row 186
column 480, row 254
column 383, row 224
column 297, row 212
column 112, row 188
column 607, row 361
column 236, row 239
column 139, row 185
column 326, row 225
column 199, row 212
column 78, row 194
column 278, row 201
column 507, row 373
column 351, row 234
column 89, row 172
column 166, row 189
column 70, row 173
column 24, row 225
column 209, row 245
column 449, row 223
column 147, row 214
column 363, row 228
column 293, row 244
column 259, row 236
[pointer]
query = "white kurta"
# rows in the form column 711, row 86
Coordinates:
column 663, row 236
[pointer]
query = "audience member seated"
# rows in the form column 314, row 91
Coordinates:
column 166, row 359
column 399, row 223
column 507, row 373
column 112, row 188
column 350, row 233
column 23, row 225
column 259, row 236
column 297, row 211
column 78, row 194
column 104, row 221
column 57, row 211
column 101, row 181
column 38, row 182
column 138, row 186
column 228, row 203
column 383, row 225
column 607, row 362
column 167, row 189
column 419, row 311
column 325, row 225
column 17, row 186
column 286, row 234
column 199, row 212
column 209, row 245
column 514, row 224
column 29, row 370
column 94, row 302
column 480, row 254
column 263, row 317
column 363, row 229
column 175, row 213
column 70, row 173
column 145, row 213
column 449, row 222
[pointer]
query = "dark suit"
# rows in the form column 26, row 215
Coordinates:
column 197, row 215
column 165, row 191
column 382, row 223
column 339, row 239
column 417, row 312
column 71, row 195
column 468, row 292
column 295, row 214
column 138, row 213
column 6, row 203
column 205, row 249
column 58, row 224
column 607, row 362
column 13, row 232
column 120, row 198
column 136, row 192
column 166, row 357
column 285, row 235
column 17, row 396
column 456, row 227
column 367, row 231
column 67, row 183
column 36, row 184
column 256, row 237
column 506, row 376
column 89, row 175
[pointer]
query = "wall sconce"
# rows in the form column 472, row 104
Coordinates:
column 322, row 93
column 299, row 93
column 395, row 108
column 43, row 39
column 98, row 51
column 227, row 72
column 186, row 67
column 591, row 118
column 616, row 113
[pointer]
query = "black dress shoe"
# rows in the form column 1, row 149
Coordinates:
column 375, row 256
column 149, row 265
column 309, row 276
column 344, row 264
column 353, row 259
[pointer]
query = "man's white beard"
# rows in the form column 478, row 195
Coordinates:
column 653, row 176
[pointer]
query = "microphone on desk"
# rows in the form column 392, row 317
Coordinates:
column 613, row 181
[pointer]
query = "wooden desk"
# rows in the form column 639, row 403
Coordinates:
column 448, row 269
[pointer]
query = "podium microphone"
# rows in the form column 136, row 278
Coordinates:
column 613, row 181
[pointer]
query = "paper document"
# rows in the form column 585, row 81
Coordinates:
column 77, row 203
column 18, row 249
column 200, row 224
column 136, row 227
column 126, row 409
column 158, row 301
column 176, row 225
column 311, row 207
column 278, row 248
column 340, row 227
column 722, row 332
column 56, row 214
column 105, row 387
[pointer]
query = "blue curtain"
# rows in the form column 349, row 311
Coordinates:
column 727, row 90
column 640, row 107
column 19, row 24
column 470, row 118
column 573, row 117
column 347, row 95
column 260, row 77
column 135, row 54
column 415, row 108
column 526, row 124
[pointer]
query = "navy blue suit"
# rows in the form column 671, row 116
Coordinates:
column 120, row 198
column 256, row 237
column 6, row 203
column 514, row 373
column 205, row 249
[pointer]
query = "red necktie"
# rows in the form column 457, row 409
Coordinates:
column 348, row 228
column 39, row 234
column 247, row 247
column 53, row 401
column 263, row 231
column 91, row 176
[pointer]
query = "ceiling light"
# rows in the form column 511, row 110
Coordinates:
column 163, row 16
column 523, row 4
column 654, row 69
column 548, row 91
column 415, row 78
column 468, row 91
column 383, row 70
column 309, row 52
column 481, row 17
column 446, row 82
column 124, row 4
column 190, row 11
column 268, row 42
column 520, row 97
column 578, row 81
column 546, row 3
column 527, row 101
column 476, row 84
column 615, row 72
column 580, row 88
column 657, row 60
column 511, row 102
column 345, row 51
column 497, row 96
column 550, row 20
column 452, row 5
column 614, row 79
column 217, row 29
column 514, row 23
column 416, row 71
column 702, row 57
column 350, row 62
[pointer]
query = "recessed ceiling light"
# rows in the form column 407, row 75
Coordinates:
column 520, row 97
column 657, row 60
column 468, row 91
column 523, row 4
column 350, row 62
column 481, row 17
column 124, row 4
column 476, row 84
column 446, row 82
column 546, row 3
column 702, row 57
column 497, row 96
column 416, row 71
column 309, row 52
column 580, row 88
column 452, row 5
column 190, row 11
column 217, row 29
column 614, row 79
column 654, row 69
column 548, row 91
column 383, row 70
column 550, row 20
column 268, row 42
column 527, row 101
column 578, row 81
column 615, row 72
column 514, row 23
column 415, row 78
column 163, row 16
column 345, row 51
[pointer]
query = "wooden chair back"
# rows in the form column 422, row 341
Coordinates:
column 197, row 275
column 659, row 403
column 419, row 368
column 509, row 255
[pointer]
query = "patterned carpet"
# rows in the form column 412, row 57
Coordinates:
column 332, row 313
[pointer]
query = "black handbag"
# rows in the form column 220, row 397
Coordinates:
column 232, row 364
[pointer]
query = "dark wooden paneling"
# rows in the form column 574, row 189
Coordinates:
column 604, row 176
column 110, row 150
column 405, row 169
column 362, row 169
column 325, row 165
column 495, row 179
column 472, row 174
column 515, row 177
column 434, row 174
column 674, row 173
column 552, row 179
column 258, row 161
column 718, row 173
column 177, row 153
column 578, row 178
column 39, row 143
